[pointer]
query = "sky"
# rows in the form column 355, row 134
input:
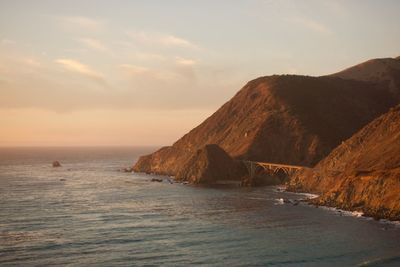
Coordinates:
column 116, row 73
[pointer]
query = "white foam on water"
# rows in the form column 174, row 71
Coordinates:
column 352, row 213
column 280, row 188
column 357, row 214
column 279, row 201
column 309, row 195
column 395, row 223
column 257, row 198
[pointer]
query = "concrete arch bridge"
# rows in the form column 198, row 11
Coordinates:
column 271, row 168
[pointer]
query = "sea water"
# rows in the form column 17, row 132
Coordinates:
column 88, row 213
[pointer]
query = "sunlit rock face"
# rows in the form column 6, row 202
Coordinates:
column 363, row 173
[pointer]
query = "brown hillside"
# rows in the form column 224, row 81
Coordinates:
column 283, row 119
column 381, row 70
column 363, row 173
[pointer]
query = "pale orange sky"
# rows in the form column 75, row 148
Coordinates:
column 37, row 127
column 146, row 72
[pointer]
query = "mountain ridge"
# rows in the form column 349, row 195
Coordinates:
column 289, row 119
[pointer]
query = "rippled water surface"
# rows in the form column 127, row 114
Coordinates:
column 87, row 213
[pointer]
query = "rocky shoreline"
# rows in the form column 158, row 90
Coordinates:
column 367, row 173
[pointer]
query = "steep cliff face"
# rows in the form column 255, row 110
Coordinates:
column 283, row 119
column 363, row 173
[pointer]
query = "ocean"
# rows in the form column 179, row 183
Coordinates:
column 88, row 213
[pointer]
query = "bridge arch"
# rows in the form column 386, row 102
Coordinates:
column 272, row 168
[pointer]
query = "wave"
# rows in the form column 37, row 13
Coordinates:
column 309, row 195
column 344, row 212
column 395, row 223
column 381, row 262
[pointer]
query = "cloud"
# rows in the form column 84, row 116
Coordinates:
column 147, row 77
column 82, row 23
column 78, row 67
column 149, row 56
column 31, row 62
column 162, row 39
column 66, row 83
column 93, row 44
column 311, row 24
column 7, row 42
column 132, row 69
column 185, row 61
column 176, row 41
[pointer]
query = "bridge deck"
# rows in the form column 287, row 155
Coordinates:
column 268, row 164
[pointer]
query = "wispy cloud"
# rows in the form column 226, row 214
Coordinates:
column 33, row 62
column 133, row 69
column 311, row 24
column 7, row 42
column 149, row 77
column 82, row 23
column 185, row 61
column 78, row 67
column 176, row 41
column 149, row 56
column 93, row 44
column 162, row 39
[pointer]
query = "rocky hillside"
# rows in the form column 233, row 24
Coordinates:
column 363, row 173
column 283, row 119
column 381, row 70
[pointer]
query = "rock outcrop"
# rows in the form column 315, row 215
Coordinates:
column 286, row 119
column 210, row 164
column 363, row 173
column 56, row 164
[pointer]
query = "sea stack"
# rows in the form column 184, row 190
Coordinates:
column 56, row 164
column 209, row 165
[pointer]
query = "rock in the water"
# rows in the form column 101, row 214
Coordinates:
column 156, row 180
column 56, row 163
column 128, row 169
column 210, row 164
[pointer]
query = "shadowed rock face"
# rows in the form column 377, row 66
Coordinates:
column 363, row 173
column 209, row 165
column 283, row 119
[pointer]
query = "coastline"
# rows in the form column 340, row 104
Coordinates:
column 311, row 199
column 359, row 213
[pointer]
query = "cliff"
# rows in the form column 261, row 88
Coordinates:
column 285, row 119
column 363, row 173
